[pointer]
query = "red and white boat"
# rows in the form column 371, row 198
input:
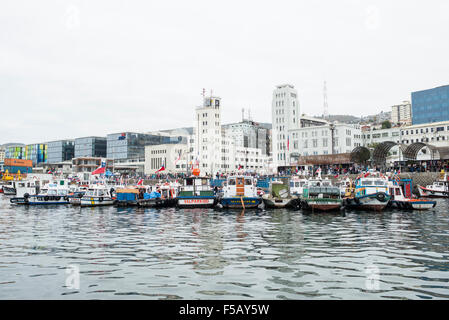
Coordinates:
column 439, row 189
column 398, row 200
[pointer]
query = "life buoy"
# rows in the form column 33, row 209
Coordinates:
column 26, row 195
column 66, row 198
column 100, row 199
column 57, row 198
column 381, row 196
column 46, row 198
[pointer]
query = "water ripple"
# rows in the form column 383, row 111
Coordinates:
column 129, row 253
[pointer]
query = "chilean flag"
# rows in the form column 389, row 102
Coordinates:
column 101, row 169
column 162, row 168
column 139, row 183
column 240, row 167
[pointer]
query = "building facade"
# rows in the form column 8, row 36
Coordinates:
column 333, row 138
column 285, row 117
column 430, row 105
column 90, row 147
column 174, row 157
column 207, row 129
column 402, row 113
column 249, row 134
column 60, row 151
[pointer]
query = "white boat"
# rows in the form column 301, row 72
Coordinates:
column 97, row 195
column 9, row 188
column 76, row 193
column 296, row 185
column 240, row 192
column 439, row 189
column 52, row 193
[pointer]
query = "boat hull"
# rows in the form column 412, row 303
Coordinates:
column 273, row 203
column 195, row 202
column 321, row 204
column 96, row 201
column 156, row 203
column 240, row 203
column 369, row 202
column 41, row 200
column 413, row 204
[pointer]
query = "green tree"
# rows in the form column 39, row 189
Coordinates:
column 386, row 124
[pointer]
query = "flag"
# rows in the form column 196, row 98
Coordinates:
column 179, row 157
column 101, row 169
column 240, row 167
column 366, row 175
column 139, row 183
column 161, row 168
column 288, row 143
column 122, row 136
column 336, row 176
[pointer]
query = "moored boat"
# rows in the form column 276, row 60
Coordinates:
column 51, row 194
column 399, row 201
column 370, row 192
column 321, row 195
column 97, row 195
column 279, row 196
column 196, row 193
column 240, row 192
column 439, row 189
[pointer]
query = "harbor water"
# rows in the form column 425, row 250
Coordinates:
column 64, row 252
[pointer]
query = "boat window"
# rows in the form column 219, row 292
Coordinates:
column 239, row 180
column 232, row 182
column 292, row 184
column 379, row 182
column 248, row 182
column 367, row 182
column 204, row 182
column 100, row 193
column 189, row 182
column 297, row 184
column 398, row 192
column 51, row 192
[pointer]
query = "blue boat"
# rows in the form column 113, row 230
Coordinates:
column 240, row 192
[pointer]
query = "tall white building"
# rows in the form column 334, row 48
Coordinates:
column 402, row 113
column 285, row 117
column 207, row 129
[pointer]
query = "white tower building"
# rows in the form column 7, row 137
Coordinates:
column 285, row 117
column 207, row 128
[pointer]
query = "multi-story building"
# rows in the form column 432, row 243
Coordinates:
column 249, row 134
column 89, row 164
column 2, row 154
column 60, row 151
column 174, row 157
column 435, row 134
column 372, row 137
column 15, row 151
column 430, row 105
column 332, row 138
column 402, row 113
column 90, row 147
column 207, row 129
column 37, row 153
column 131, row 145
column 285, row 117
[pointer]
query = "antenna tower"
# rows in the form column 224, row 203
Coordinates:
column 325, row 106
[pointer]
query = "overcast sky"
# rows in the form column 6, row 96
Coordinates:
column 78, row 68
